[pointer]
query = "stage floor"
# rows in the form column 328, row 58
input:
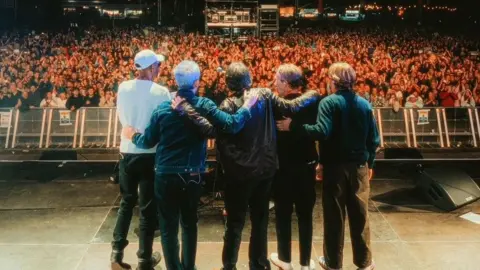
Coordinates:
column 67, row 224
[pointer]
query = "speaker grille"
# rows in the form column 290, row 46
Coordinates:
column 434, row 194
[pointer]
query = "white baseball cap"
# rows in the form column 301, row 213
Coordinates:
column 146, row 58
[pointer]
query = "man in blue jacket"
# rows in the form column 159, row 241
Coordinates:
column 180, row 160
column 348, row 136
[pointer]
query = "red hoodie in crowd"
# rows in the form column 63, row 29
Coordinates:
column 448, row 99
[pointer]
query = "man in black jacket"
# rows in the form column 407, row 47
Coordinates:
column 249, row 160
column 295, row 181
column 76, row 101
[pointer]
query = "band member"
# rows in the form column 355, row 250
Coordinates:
column 136, row 101
column 294, row 184
column 180, row 160
column 249, row 160
column 348, row 136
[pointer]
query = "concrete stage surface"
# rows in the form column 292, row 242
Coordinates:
column 66, row 224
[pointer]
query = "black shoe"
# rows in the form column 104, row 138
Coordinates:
column 150, row 265
column 116, row 260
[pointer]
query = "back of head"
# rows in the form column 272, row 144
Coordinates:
column 187, row 74
column 238, row 77
column 343, row 75
column 293, row 75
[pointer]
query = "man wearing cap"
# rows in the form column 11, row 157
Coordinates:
column 180, row 161
column 349, row 139
column 137, row 99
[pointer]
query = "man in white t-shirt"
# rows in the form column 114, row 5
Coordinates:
column 137, row 99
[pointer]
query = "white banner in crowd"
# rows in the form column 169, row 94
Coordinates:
column 423, row 117
column 65, row 119
column 4, row 119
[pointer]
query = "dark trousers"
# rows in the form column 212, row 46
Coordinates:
column 239, row 196
column 294, row 185
column 346, row 186
column 177, row 197
column 136, row 178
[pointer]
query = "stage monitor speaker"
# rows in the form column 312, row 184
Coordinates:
column 447, row 188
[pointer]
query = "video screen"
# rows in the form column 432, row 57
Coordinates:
column 308, row 13
column 287, row 12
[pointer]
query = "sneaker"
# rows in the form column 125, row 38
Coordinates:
column 145, row 265
column 371, row 267
column 279, row 263
column 310, row 267
column 323, row 264
column 116, row 260
column 271, row 205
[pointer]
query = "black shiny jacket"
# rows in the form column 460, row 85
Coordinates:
column 296, row 148
column 251, row 153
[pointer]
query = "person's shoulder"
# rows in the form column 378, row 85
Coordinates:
column 163, row 108
column 364, row 103
column 125, row 85
column 262, row 92
column 165, row 105
column 160, row 90
column 330, row 99
column 203, row 101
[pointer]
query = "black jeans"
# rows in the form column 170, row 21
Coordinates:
column 239, row 196
column 346, row 186
column 294, row 185
column 177, row 197
column 136, row 178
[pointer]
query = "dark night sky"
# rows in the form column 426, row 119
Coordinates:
column 303, row 2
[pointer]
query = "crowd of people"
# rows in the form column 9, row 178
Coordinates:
column 394, row 68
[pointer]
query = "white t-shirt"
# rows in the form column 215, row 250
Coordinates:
column 137, row 99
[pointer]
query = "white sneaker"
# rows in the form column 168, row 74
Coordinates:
column 323, row 264
column 371, row 267
column 280, row 264
column 310, row 267
column 271, row 205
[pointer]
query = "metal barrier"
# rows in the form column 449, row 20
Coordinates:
column 460, row 127
column 6, row 120
column 62, row 129
column 426, row 128
column 29, row 128
column 96, row 126
column 100, row 128
column 393, row 127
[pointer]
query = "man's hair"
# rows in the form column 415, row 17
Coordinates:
column 292, row 74
column 343, row 75
column 186, row 74
column 238, row 77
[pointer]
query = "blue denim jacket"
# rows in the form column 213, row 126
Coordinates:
column 180, row 149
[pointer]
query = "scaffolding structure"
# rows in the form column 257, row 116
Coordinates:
column 231, row 18
column 268, row 20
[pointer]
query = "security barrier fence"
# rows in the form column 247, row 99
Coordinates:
column 100, row 128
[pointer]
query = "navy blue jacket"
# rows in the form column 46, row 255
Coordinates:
column 346, row 129
column 180, row 150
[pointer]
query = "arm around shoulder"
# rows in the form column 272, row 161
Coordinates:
column 290, row 107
